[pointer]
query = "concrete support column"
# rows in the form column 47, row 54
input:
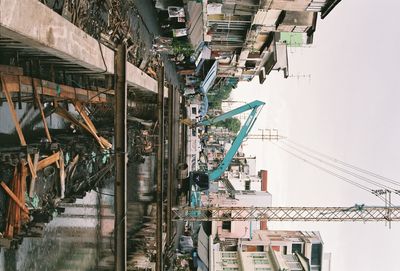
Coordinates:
column 160, row 169
column 120, row 123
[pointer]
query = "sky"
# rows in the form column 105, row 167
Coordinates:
column 341, row 99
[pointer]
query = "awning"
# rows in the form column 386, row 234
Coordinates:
column 202, row 246
column 209, row 80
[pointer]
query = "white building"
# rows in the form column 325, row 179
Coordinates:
column 239, row 229
column 257, row 261
column 306, row 243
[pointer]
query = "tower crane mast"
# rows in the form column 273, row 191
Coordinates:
column 308, row 214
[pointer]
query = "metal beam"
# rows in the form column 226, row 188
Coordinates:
column 171, row 155
column 315, row 214
column 160, row 169
column 120, row 123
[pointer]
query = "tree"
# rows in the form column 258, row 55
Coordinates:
column 232, row 124
column 218, row 95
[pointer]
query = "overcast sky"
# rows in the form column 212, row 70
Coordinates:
column 347, row 108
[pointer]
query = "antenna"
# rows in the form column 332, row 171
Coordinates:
column 266, row 134
column 301, row 76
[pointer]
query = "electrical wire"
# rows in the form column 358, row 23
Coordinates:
column 392, row 181
column 358, row 185
column 382, row 186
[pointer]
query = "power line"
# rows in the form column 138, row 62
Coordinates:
column 343, row 169
column 392, row 181
column 358, row 185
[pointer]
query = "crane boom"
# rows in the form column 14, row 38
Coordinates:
column 314, row 214
column 244, row 131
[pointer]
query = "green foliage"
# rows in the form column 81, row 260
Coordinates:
column 218, row 95
column 232, row 124
column 182, row 47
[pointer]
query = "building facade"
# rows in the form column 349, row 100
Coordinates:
column 306, row 243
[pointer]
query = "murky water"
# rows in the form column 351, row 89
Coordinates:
column 81, row 238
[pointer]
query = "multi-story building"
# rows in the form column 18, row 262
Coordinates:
column 306, row 243
column 245, row 190
column 244, row 35
column 322, row 6
column 257, row 261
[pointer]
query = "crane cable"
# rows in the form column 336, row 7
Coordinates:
column 358, row 185
column 380, row 185
column 367, row 172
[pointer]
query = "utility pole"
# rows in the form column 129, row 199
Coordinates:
column 160, row 168
column 120, row 122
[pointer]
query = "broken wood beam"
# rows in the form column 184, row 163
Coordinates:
column 25, row 84
column 40, row 106
column 81, row 110
column 12, row 70
column 62, row 175
column 13, row 197
column 48, row 161
column 17, row 126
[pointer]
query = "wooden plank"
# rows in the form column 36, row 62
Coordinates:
column 51, row 89
column 46, row 128
column 13, row 70
column 17, row 213
column 81, row 110
column 66, row 115
column 24, row 173
column 13, row 114
column 13, row 196
column 62, row 175
column 17, row 126
column 40, row 106
column 48, row 161
column 35, row 161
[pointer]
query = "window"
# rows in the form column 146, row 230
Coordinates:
column 247, row 185
column 263, row 269
column 260, row 248
column 229, row 255
column 226, row 225
column 284, row 250
column 230, row 269
column 316, row 252
column 231, row 261
column 260, row 261
column 194, row 110
column 297, row 248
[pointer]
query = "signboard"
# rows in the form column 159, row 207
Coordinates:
column 175, row 12
column 214, row 9
column 181, row 32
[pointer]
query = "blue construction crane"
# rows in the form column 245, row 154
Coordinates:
column 201, row 180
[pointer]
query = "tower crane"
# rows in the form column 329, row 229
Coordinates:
column 308, row 214
column 200, row 180
column 359, row 212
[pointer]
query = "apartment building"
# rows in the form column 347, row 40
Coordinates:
column 306, row 243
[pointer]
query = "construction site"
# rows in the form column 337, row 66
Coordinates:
column 121, row 149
